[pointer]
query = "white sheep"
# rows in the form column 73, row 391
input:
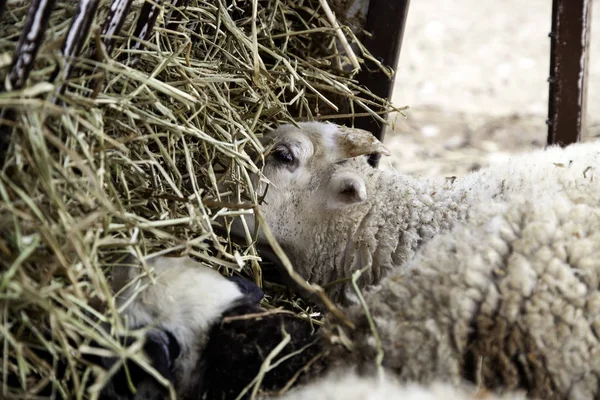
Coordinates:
column 508, row 299
column 187, row 298
column 332, row 213
column 348, row 385
column 493, row 278
column 179, row 306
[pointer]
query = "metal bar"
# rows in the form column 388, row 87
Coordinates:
column 118, row 12
column 176, row 13
column 73, row 44
column 143, row 29
column 569, row 55
column 385, row 21
column 29, row 43
column 119, row 9
column 2, row 8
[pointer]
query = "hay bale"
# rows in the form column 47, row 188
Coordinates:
column 118, row 144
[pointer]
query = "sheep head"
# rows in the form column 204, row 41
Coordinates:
column 312, row 170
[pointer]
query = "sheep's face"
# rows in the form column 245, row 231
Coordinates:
column 180, row 308
column 314, row 172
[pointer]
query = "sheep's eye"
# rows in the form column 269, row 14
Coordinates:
column 283, row 155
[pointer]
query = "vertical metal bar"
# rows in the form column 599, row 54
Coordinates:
column 172, row 19
column 76, row 37
column 29, row 43
column 569, row 57
column 117, row 14
column 2, row 7
column 385, row 21
column 143, row 28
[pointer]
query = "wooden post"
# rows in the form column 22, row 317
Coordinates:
column 569, row 57
column 385, row 21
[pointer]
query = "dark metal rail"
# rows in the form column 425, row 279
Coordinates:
column 386, row 20
column 569, row 57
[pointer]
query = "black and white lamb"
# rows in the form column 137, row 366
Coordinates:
column 177, row 305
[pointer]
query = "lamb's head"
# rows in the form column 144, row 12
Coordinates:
column 317, row 173
column 178, row 312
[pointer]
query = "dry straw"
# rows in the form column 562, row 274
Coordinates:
column 119, row 141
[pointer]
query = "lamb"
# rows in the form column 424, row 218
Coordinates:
column 332, row 213
column 509, row 300
column 179, row 309
column 180, row 331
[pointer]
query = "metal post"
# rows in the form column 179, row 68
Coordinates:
column 385, row 21
column 569, row 56
column 23, row 59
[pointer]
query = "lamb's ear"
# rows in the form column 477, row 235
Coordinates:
column 355, row 142
column 162, row 348
column 252, row 293
column 344, row 189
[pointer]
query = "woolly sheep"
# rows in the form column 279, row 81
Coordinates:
column 247, row 341
column 180, row 308
column 348, row 385
column 332, row 213
column 509, row 299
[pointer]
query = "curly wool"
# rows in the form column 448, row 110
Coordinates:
column 508, row 300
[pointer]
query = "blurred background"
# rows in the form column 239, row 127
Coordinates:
column 474, row 75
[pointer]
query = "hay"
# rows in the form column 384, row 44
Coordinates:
column 121, row 144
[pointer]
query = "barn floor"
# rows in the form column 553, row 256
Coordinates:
column 474, row 76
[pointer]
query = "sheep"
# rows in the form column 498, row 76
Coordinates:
column 332, row 212
column 348, row 385
column 507, row 300
column 180, row 308
column 511, row 300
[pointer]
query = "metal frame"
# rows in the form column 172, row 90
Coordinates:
column 569, row 55
column 386, row 20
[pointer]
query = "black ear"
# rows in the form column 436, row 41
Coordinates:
column 253, row 294
column 162, row 348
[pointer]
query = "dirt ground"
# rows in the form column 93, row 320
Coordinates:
column 474, row 75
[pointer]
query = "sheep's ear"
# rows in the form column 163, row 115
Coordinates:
column 252, row 293
column 162, row 348
column 344, row 189
column 356, row 142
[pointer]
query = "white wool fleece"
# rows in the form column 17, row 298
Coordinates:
column 509, row 299
column 350, row 386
